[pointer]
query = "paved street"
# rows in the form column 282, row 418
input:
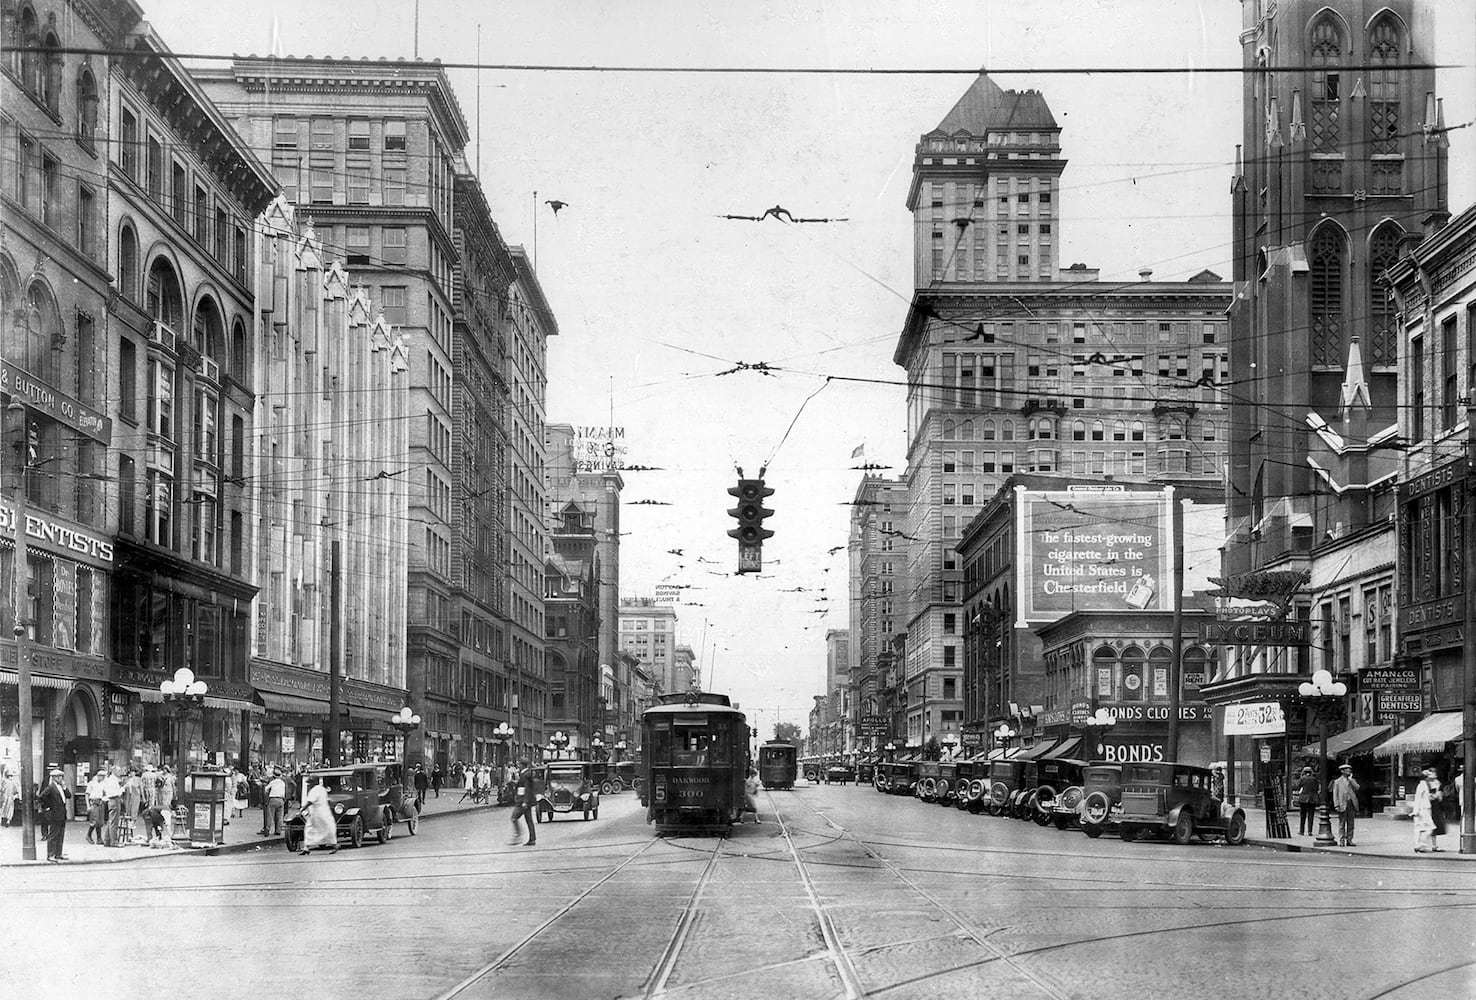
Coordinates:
column 842, row 893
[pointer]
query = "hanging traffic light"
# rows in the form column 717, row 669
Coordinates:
column 750, row 514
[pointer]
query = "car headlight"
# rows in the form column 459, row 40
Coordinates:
column 338, row 809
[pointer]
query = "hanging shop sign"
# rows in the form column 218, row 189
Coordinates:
column 1255, row 633
column 1399, row 702
column 57, row 536
column 1389, row 679
column 18, row 383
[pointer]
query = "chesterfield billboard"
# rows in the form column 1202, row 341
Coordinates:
column 1092, row 548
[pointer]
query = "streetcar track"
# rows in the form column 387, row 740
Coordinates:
column 666, row 964
column 1420, row 978
column 527, row 939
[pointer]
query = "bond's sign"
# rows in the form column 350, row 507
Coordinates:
column 1093, row 550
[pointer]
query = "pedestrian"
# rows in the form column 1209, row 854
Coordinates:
column 1305, row 792
column 132, row 803
column 241, row 794
column 10, row 798
column 1345, row 802
column 750, row 795
column 276, row 792
column 167, row 789
column 54, row 805
column 153, row 818
column 1427, row 805
column 113, row 793
column 525, row 801
column 319, row 828
column 97, row 808
column 438, row 778
column 1217, row 782
column 421, row 784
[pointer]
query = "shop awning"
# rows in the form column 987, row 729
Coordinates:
column 1360, row 739
column 233, row 704
column 37, row 680
column 1066, row 749
column 144, row 693
column 292, row 704
column 1426, row 736
column 1038, row 751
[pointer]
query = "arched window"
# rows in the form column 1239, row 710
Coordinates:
column 1078, row 430
column 28, row 64
column 49, row 80
column 1119, row 431
column 238, row 353
column 1133, row 662
column 9, row 303
column 208, row 332
column 1137, row 430
column 164, row 300
column 1383, row 90
column 1325, row 260
column 989, row 430
column 1196, row 668
column 1099, row 430
column 949, row 430
column 1207, row 430
column 1327, row 90
column 1383, row 252
column 1007, row 430
column 1158, row 671
column 31, row 341
column 86, row 106
column 128, row 263
column 966, row 430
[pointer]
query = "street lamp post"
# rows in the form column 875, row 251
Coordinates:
column 597, row 748
column 1003, row 735
column 558, row 741
column 619, row 749
column 1096, row 724
column 406, row 722
column 1325, row 698
column 891, row 750
column 182, row 693
column 16, row 413
column 502, row 735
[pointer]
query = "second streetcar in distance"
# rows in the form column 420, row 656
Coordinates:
column 778, row 764
column 694, row 763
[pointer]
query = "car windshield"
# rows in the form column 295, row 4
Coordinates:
column 565, row 775
column 337, row 783
column 1102, row 777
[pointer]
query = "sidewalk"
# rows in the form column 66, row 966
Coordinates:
column 242, row 834
column 1373, row 836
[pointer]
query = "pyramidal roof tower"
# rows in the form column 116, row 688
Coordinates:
column 984, row 184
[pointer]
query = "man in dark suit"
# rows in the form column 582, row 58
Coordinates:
column 54, row 809
column 525, row 803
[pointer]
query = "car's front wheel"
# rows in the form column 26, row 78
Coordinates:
column 1235, row 832
column 356, row 832
column 386, row 826
column 1184, row 828
column 412, row 823
column 606, row 788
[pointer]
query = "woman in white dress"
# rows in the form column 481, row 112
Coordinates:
column 319, row 828
column 1426, row 801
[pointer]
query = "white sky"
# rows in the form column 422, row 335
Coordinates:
column 654, row 294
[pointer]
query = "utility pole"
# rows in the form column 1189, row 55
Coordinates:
column 1176, row 661
column 331, row 754
column 22, row 642
column 1468, row 668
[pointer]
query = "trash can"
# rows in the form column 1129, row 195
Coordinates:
column 205, row 794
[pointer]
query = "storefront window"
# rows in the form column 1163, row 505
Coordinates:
column 1133, row 678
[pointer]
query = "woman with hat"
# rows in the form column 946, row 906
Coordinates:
column 1306, row 796
column 1427, row 802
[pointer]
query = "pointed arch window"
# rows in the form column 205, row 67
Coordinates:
column 1383, row 86
column 1327, row 89
column 128, row 263
column 1325, row 258
column 1383, row 251
column 86, row 107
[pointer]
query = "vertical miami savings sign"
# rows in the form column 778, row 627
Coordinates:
column 1092, row 548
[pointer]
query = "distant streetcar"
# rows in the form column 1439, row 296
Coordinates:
column 778, row 764
column 694, row 763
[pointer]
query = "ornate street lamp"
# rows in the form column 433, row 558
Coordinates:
column 1096, row 724
column 406, row 722
column 557, row 742
column 597, row 748
column 1324, row 697
column 182, row 693
column 1003, row 735
column 502, row 734
column 619, row 749
column 891, row 749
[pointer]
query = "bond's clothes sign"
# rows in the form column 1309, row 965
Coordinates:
column 1093, row 549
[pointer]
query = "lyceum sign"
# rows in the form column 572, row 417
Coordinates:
column 1102, row 549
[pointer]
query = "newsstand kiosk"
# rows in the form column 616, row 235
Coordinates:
column 205, row 795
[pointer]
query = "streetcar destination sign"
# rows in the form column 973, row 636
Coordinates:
column 1256, row 633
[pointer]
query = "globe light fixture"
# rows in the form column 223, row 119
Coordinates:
column 1324, row 697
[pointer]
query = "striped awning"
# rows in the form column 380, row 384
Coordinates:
column 37, row 680
column 234, row 705
column 1429, row 735
column 292, row 704
column 1039, row 750
column 1066, row 749
column 1350, row 743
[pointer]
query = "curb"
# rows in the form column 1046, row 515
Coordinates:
column 1281, row 845
column 209, row 852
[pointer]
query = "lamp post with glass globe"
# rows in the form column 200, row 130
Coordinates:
column 1324, row 697
column 597, row 749
column 1096, row 724
column 181, row 693
column 1003, row 735
column 406, row 722
column 558, row 741
column 619, row 749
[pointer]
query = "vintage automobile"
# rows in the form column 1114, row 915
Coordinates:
column 1022, row 799
column 568, row 786
column 945, row 791
column 1058, row 792
column 896, row 777
column 966, row 790
column 1101, row 800
column 1173, row 799
column 616, row 776
column 926, row 788
column 840, row 772
column 1005, row 777
column 366, row 799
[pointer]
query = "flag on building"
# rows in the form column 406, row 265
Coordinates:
column 858, row 451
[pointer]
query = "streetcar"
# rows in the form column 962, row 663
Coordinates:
column 694, row 762
column 778, row 764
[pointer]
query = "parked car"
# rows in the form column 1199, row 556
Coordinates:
column 1172, row 799
column 1058, row 792
column 1004, row 780
column 896, row 777
column 366, row 799
column 1022, row 798
column 1101, row 801
column 843, row 773
column 568, row 786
